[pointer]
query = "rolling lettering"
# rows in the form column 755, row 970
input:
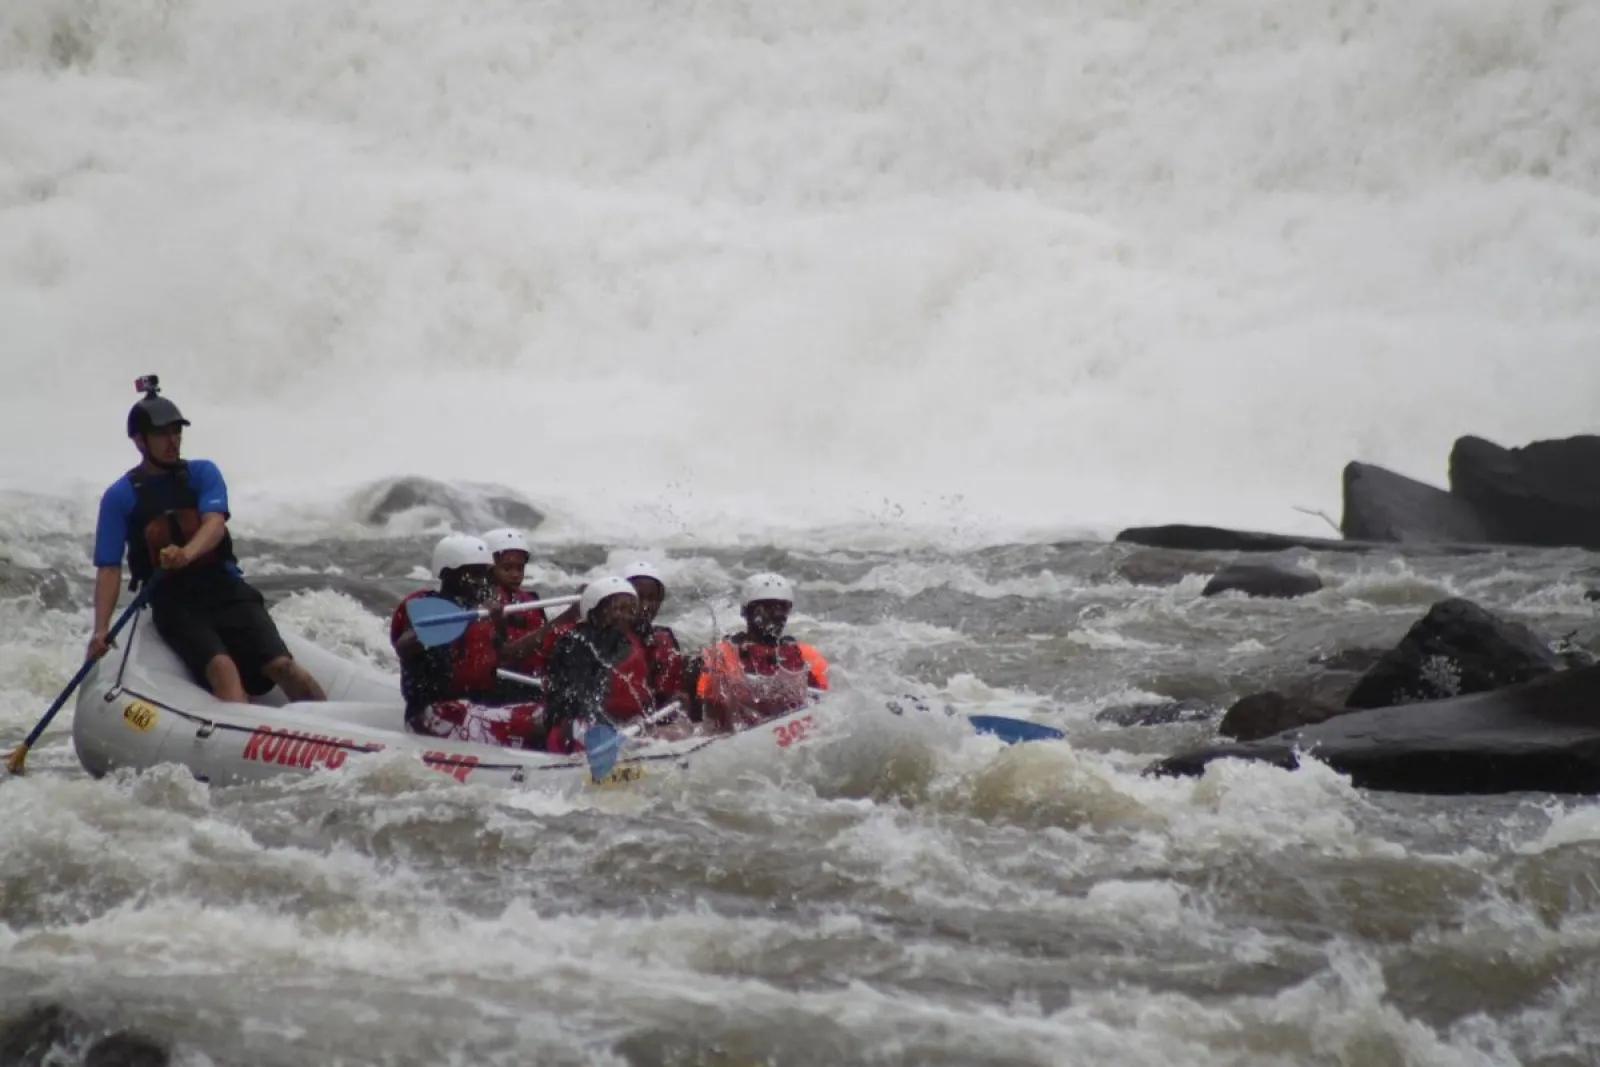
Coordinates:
column 290, row 748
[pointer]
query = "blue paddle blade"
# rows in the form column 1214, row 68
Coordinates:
column 1014, row 731
column 601, row 747
column 436, row 621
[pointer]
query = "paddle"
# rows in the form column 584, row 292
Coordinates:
column 1014, row 731
column 436, row 621
column 602, row 744
column 16, row 763
column 1011, row 731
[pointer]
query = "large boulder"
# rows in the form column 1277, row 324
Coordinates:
column 1456, row 648
column 1380, row 505
column 1543, row 736
column 1546, row 493
column 1219, row 539
column 1261, row 581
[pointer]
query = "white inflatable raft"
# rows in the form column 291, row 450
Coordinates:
column 138, row 708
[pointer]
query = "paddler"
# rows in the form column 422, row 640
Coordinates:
column 598, row 670
column 760, row 673
column 525, row 638
column 452, row 690
column 661, row 648
column 170, row 515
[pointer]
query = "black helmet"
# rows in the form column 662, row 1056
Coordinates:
column 154, row 411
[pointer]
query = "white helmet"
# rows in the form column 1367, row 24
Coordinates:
column 460, row 550
column 642, row 569
column 759, row 587
column 603, row 589
column 506, row 540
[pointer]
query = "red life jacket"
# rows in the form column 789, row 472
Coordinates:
column 754, row 680
column 462, row 670
column 629, row 695
column 666, row 665
column 520, row 625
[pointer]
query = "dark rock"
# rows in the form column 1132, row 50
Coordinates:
column 1543, row 736
column 47, row 1034
column 32, row 1037
column 1217, row 539
column 1546, row 493
column 1456, row 648
column 1264, row 714
column 126, row 1049
column 1163, row 714
column 1260, row 581
column 1158, row 567
column 1380, row 505
column 473, row 507
column 1593, row 594
column 373, row 596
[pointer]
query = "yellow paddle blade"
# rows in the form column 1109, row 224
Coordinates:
column 18, row 758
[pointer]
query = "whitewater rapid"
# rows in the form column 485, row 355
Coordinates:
column 867, row 293
column 966, row 272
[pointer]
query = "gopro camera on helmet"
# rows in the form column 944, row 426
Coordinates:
column 153, row 411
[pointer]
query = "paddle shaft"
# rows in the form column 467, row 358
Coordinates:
column 468, row 614
column 15, row 762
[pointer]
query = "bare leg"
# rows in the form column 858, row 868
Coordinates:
column 222, row 675
column 295, row 681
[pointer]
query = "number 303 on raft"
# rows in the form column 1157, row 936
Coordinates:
column 788, row 733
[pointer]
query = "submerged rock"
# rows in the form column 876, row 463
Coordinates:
column 125, row 1049
column 1163, row 714
column 47, row 1035
column 1162, row 567
column 1264, row 714
column 1261, row 581
column 1456, row 648
column 49, row 588
column 469, row 507
column 1543, row 736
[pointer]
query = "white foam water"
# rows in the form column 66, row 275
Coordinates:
column 852, row 274
column 739, row 268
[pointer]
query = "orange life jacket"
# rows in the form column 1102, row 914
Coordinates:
column 749, row 679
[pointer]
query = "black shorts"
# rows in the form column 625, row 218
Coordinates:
column 225, row 617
